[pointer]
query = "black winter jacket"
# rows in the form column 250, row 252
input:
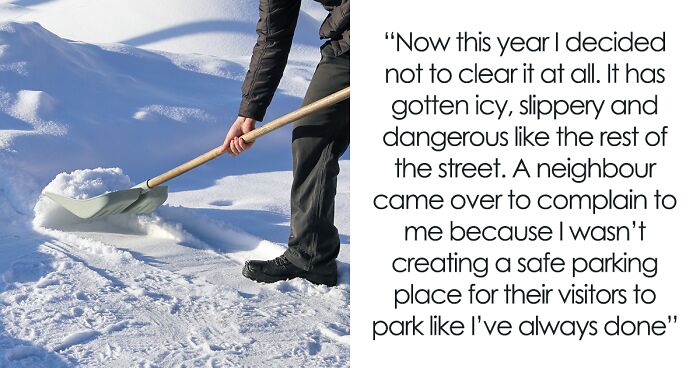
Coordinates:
column 278, row 19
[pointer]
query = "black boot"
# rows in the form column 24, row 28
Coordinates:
column 280, row 268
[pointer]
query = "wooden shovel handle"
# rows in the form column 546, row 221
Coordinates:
column 253, row 135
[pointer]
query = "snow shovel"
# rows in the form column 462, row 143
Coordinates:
column 149, row 195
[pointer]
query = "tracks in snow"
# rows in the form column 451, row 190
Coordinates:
column 129, row 299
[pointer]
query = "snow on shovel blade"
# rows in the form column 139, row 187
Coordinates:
column 134, row 200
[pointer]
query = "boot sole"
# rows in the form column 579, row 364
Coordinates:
column 312, row 278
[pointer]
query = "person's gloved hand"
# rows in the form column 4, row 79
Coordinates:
column 233, row 144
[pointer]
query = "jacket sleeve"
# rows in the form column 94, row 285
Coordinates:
column 338, row 20
column 275, row 28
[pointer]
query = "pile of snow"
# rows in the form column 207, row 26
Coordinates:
column 52, row 219
column 79, row 184
column 82, row 184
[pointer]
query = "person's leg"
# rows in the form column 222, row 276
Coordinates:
column 318, row 141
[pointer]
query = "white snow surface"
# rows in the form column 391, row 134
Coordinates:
column 222, row 28
column 96, row 96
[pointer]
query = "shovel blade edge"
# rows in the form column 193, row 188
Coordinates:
column 103, row 205
column 148, row 201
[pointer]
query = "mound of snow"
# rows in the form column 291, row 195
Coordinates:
column 81, row 184
column 18, row 193
column 88, row 183
column 31, row 106
column 68, row 105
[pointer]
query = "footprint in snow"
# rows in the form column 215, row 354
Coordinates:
column 77, row 311
column 314, row 347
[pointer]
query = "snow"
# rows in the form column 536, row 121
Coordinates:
column 97, row 96
column 222, row 28
column 83, row 184
column 76, row 338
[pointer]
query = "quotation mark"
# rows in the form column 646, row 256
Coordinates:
column 672, row 319
column 386, row 36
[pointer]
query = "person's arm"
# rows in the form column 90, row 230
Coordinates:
column 275, row 28
column 278, row 19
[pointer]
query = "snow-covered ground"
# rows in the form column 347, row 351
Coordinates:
column 137, row 88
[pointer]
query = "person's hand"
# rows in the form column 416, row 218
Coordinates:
column 233, row 144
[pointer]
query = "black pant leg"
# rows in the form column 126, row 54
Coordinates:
column 318, row 141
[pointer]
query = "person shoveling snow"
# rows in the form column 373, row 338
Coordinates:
column 318, row 140
column 321, row 135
